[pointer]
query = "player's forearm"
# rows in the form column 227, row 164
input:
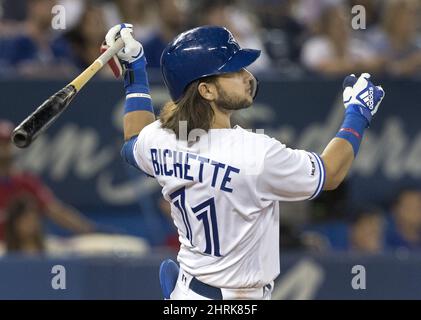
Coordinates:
column 337, row 158
column 341, row 151
column 135, row 121
column 138, row 108
column 361, row 99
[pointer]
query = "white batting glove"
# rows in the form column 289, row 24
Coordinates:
column 130, row 54
column 362, row 95
column 132, row 50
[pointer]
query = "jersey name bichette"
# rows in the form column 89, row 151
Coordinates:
column 224, row 193
column 178, row 164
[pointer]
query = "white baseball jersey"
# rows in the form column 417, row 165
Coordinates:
column 224, row 192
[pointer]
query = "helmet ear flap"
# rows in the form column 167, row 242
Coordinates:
column 255, row 89
column 254, row 84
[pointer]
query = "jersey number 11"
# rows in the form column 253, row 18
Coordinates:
column 205, row 212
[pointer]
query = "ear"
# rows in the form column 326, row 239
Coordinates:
column 207, row 90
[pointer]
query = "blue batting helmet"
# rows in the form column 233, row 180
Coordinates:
column 202, row 52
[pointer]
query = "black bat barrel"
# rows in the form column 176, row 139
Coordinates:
column 42, row 117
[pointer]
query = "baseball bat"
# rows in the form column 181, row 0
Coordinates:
column 38, row 121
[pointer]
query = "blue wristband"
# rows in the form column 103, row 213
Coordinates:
column 137, row 87
column 127, row 152
column 352, row 129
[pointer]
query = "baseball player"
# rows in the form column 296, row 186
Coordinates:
column 224, row 183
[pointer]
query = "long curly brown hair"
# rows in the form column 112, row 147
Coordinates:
column 192, row 107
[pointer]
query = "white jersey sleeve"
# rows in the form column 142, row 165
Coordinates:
column 290, row 175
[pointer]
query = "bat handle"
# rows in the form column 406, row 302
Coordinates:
column 89, row 72
column 111, row 51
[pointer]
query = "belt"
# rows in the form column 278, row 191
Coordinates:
column 205, row 290
column 211, row 292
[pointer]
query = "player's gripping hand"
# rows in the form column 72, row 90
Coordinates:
column 131, row 56
column 362, row 96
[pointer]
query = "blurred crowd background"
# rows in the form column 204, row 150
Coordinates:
column 298, row 39
column 296, row 36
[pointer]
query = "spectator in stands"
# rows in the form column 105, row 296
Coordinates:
column 307, row 12
column 366, row 231
column 36, row 50
column 243, row 25
column 331, row 206
column 373, row 11
column 87, row 35
column 140, row 13
column 14, row 184
column 334, row 51
column 23, row 228
column 13, row 10
column 282, row 33
column 173, row 21
column 398, row 42
column 405, row 229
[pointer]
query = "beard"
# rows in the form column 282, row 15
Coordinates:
column 226, row 102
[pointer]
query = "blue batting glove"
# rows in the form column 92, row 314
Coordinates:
column 361, row 96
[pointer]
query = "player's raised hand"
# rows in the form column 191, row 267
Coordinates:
column 131, row 55
column 132, row 50
column 362, row 96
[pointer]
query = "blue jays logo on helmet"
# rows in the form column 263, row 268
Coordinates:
column 202, row 52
